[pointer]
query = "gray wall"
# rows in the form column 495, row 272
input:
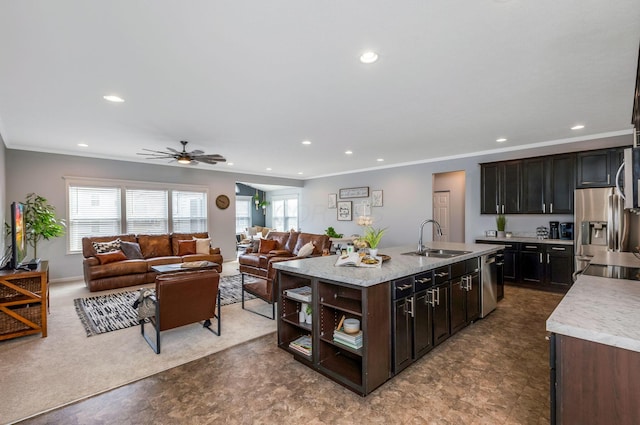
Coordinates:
column 407, row 194
column 454, row 183
column 43, row 173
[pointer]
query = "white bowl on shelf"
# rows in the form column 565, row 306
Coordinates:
column 351, row 326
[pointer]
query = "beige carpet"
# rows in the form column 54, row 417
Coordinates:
column 39, row 374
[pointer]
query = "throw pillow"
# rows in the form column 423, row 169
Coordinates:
column 131, row 250
column 186, row 247
column 102, row 247
column 267, row 245
column 306, row 250
column 111, row 257
column 202, row 245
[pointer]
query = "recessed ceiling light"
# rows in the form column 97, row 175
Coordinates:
column 380, row 159
column 268, row 168
column 348, row 152
column 113, row 98
column 229, row 163
column 299, row 172
column 369, row 57
column 577, row 127
column 500, row 140
column 306, row 142
column 83, row 145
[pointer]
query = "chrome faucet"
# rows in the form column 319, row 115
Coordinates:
column 438, row 230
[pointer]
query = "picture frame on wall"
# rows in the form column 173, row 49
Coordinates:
column 332, row 201
column 376, row 198
column 344, row 211
column 354, row 192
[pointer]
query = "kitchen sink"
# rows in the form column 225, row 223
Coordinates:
column 437, row 253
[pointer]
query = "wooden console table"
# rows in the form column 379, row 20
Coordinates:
column 23, row 302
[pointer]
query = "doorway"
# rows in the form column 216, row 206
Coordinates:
column 449, row 205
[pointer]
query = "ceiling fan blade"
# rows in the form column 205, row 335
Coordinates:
column 173, row 150
column 208, row 161
column 214, row 157
column 154, row 151
column 196, row 152
column 156, row 156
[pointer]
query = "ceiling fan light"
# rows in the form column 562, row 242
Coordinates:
column 184, row 160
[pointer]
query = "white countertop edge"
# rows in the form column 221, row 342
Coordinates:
column 524, row 239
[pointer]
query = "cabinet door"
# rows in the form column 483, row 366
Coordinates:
column 593, row 169
column 511, row 264
column 490, row 188
column 401, row 335
column 458, row 309
column 423, row 331
column 560, row 184
column 559, row 269
column 512, row 186
column 441, row 313
column 531, row 263
column 473, row 298
column 533, row 183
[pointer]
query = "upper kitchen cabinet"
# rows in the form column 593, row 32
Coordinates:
column 501, row 187
column 548, row 184
column 598, row 168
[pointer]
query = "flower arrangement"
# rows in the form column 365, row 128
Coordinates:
column 373, row 236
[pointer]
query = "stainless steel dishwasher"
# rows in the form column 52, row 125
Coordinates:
column 489, row 293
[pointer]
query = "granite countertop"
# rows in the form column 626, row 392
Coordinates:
column 525, row 240
column 601, row 310
column 398, row 266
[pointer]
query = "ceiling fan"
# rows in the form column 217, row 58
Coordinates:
column 184, row 157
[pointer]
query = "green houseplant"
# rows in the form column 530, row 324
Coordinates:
column 501, row 224
column 331, row 232
column 373, row 236
column 40, row 221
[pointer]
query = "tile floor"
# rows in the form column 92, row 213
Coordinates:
column 495, row 371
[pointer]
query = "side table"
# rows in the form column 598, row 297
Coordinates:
column 23, row 301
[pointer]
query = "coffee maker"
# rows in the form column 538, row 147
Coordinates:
column 566, row 231
column 554, row 230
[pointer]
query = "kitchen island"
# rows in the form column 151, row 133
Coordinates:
column 405, row 308
column 595, row 349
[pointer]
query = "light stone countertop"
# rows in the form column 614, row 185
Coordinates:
column 398, row 266
column 602, row 310
column 525, row 240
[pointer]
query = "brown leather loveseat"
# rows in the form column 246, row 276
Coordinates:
column 115, row 269
column 276, row 246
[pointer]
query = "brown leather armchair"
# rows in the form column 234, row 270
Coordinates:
column 183, row 298
column 260, row 264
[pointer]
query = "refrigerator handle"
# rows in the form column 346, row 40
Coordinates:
column 610, row 224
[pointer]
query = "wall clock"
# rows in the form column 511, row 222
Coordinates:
column 222, row 202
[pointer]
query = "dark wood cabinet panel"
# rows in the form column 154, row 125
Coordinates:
column 441, row 329
column 402, row 335
column 423, row 338
column 501, row 187
column 531, row 261
column 533, row 181
column 512, row 187
column 560, row 264
column 457, row 306
column 598, row 168
column 473, row 298
column 490, row 188
column 560, row 183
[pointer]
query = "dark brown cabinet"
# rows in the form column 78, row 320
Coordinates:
column 598, row 168
column 560, row 265
column 464, row 294
column 511, row 260
column 532, row 263
column 439, row 296
column 548, row 184
column 501, row 187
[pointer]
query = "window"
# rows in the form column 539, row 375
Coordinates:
column 284, row 213
column 147, row 211
column 189, row 211
column 243, row 213
column 92, row 211
column 109, row 207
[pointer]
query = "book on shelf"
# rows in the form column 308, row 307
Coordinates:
column 301, row 294
column 302, row 344
column 353, row 338
column 355, row 260
column 355, row 346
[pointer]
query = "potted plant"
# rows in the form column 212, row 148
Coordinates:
column 40, row 221
column 501, row 223
column 372, row 237
column 331, row 232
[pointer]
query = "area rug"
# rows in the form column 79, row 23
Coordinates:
column 106, row 313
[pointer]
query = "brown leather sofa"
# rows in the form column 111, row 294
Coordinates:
column 260, row 264
column 155, row 250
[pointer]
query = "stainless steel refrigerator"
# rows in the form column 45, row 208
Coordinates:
column 601, row 224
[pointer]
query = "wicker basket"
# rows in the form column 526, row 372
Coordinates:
column 32, row 284
column 9, row 324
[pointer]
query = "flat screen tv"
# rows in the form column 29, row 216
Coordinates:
column 18, row 235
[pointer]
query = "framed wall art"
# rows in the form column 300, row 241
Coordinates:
column 332, row 201
column 344, row 211
column 354, row 192
column 376, row 198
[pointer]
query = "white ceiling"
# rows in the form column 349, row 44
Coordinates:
column 251, row 79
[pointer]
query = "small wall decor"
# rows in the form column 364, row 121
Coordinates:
column 376, row 198
column 332, row 201
column 344, row 211
column 223, row 202
column 354, row 192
